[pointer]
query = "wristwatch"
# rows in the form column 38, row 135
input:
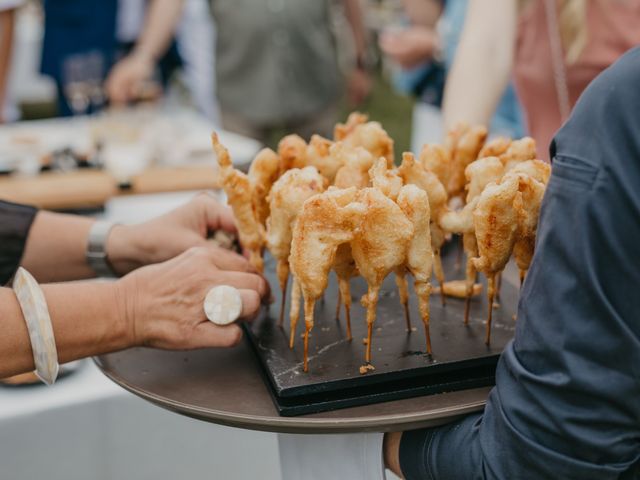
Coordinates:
column 96, row 253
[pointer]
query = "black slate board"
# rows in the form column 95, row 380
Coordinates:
column 460, row 358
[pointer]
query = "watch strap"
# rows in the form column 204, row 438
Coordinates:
column 96, row 249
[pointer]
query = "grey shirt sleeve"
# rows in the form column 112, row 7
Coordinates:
column 567, row 397
column 15, row 223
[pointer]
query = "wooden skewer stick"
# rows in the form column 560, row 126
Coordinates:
column 491, row 293
column 283, row 302
column 345, row 298
column 403, row 293
column 523, row 273
column 370, row 301
column 471, row 276
column 437, row 267
column 308, row 325
column 338, row 305
column 294, row 312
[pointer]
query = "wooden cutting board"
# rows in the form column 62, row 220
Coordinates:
column 92, row 189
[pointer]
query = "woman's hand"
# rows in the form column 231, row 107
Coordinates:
column 164, row 237
column 410, row 47
column 127, row 77
column 163, row 304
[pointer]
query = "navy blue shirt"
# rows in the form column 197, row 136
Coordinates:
column 15, row 223
column 567, row 398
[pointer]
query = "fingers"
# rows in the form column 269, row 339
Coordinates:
column 217, row 215
column 250, row 304
column 243, row 281
column 228, row 260
column 207, row 334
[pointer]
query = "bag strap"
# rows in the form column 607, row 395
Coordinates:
column 557, row 59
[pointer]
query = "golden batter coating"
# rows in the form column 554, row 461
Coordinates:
column 318, row 154
column 238, row 189
column 287, row 196
column 495, row 147
column 532, row 192
column 292, row 151
column 536, row 169
column 356, row 163
column 341, row 130
column 412, row 172
column 327, row 220
column 414, row 202
column 518, row 151
column 358, row 132
column 264, row 170
column 465, row 152
column 496, row 225
column 436, row 159
column 386, row 180
column 379, row 247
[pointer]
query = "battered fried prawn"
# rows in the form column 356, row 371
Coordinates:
column 327, row 220
column 238, row 189
column 495, row 147
column 458, row 289
column 386, row 180
column 414, row 202
column 379, row 247
column 527, row 211
column 496, row 224
column 287, row 196
column 436, row 159
column 372, row 137
column 518, row 151
column 414, row 173
column 356, row 163
column 262, row 173
column 292, row 151
column 341, row 130
column 478, row 174
column 465, row 152
column 536, row 169
column 318, row 154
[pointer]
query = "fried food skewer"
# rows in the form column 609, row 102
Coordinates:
column 465, row 151
column 327, row 220
column 263, row 172
column 238, row 189
column 287, row 196
column 496, row 223
column 414, row 202
column 414, row 173
column 379, row 247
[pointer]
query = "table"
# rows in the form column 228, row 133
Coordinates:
column 226, row 387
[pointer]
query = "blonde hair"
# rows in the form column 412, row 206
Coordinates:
column 572, row 23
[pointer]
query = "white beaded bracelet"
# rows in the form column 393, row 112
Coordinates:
column 36, row 315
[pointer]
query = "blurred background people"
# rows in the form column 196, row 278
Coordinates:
column 124, row 50
column 424, row 50
column 8, row 110
column 277, row 66
column 552, row 48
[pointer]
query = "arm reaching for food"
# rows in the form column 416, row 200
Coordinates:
column 483, row 63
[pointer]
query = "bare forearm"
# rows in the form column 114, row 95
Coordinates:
column 483, row 62
column 6, row 44
column 87, row 319
column 55, row 249
column 159, row 28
